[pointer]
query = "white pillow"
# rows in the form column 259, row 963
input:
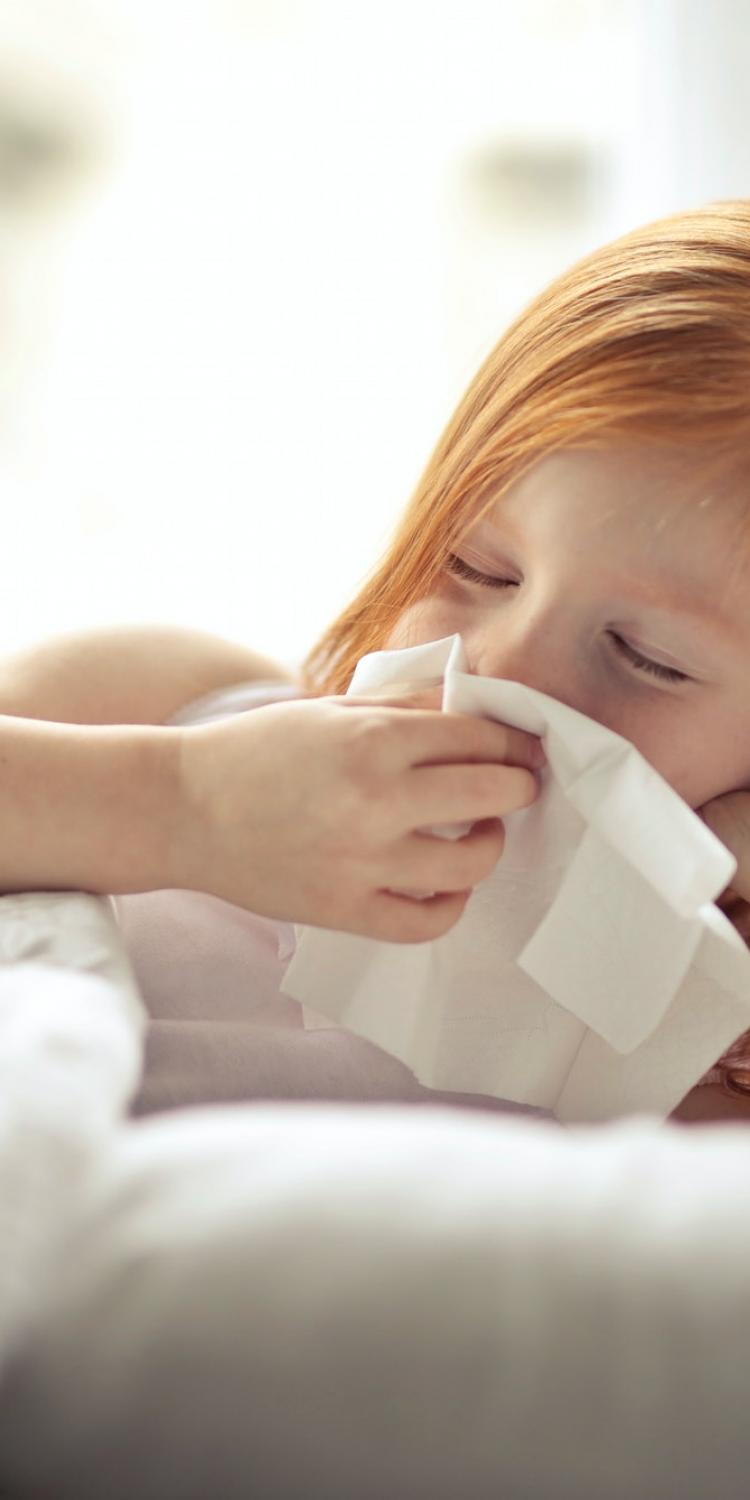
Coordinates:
column 344, row 1302
column 355, row 1302
column 70, row 1058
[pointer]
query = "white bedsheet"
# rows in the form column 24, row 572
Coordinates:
column 343, row 1301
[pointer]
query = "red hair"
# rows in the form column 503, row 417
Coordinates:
column 646, row 340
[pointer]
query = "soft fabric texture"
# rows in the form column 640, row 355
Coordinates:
column 321, row 1302
column 326, row 1303
column 219, row 1027
column 70, row 1031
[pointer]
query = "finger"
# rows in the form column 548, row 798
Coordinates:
column 435, row 738
column 463, row 794
column 395, row 918
column 440, row 739
column 431, row 864
column 728, row 817
column 468, row 740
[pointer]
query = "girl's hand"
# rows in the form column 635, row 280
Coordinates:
column 310, row 810
column 728, row 817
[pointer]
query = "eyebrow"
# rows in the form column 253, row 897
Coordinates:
column 683, row 603
column 673, row 601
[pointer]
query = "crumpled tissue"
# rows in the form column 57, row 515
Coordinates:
column 590, row 974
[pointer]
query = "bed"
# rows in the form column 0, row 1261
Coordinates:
column 340, row 1300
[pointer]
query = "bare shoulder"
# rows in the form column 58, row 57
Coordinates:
column 132, row 674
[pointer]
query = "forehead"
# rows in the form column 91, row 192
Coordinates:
column 683, row 503
column 672, row 527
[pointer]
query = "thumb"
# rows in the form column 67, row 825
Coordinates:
column 426, row 692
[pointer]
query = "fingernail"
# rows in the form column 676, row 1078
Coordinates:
column 538, row 757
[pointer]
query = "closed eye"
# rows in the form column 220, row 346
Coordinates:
column 642, row 663
column 645, row 664
column 457, row 565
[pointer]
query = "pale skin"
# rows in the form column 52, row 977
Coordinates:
column 308, row 810
column 594, row 569
column 331, row 794
column 594, row 545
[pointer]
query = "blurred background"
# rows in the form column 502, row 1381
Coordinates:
column 253, row 251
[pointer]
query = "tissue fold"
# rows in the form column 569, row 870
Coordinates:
column 590, row 974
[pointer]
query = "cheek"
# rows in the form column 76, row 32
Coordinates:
column 426, row 621
column 699, row 759
column 665, row 740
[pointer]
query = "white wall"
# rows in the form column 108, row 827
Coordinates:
column 301, row 229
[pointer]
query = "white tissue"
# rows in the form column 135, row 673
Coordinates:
column 590, row 974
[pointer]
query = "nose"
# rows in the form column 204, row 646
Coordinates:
column 534, row 653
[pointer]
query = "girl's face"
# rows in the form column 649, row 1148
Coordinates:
column 614, row 582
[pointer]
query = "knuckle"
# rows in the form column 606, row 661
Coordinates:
column 521, row 747
column 368, row 742
column 414, row 694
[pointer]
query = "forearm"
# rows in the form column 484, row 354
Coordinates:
column 87, row 807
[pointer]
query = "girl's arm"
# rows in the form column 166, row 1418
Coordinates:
column 96, row 808
column 126, row 674
column 84, row 807
column 309, row 810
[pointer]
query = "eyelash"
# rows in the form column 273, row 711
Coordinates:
column 641, row 663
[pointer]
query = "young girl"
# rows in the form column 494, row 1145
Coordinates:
column 582, row 523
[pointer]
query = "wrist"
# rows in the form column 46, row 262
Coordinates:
column 140, row 818
column 87, row 807
column 190, row 836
